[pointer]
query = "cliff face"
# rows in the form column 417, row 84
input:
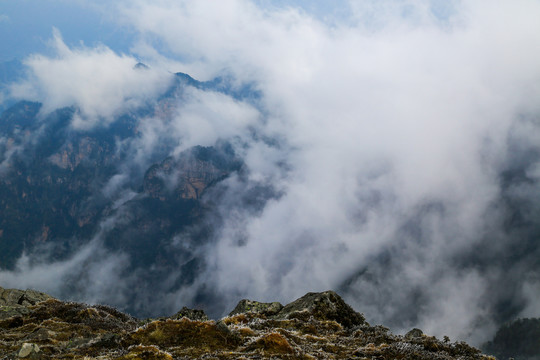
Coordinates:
column 189, row 175
column 59, row 185
column 33, row 325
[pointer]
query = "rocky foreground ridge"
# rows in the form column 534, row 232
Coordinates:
column 34, row 325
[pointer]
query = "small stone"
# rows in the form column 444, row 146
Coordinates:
column 28, row 350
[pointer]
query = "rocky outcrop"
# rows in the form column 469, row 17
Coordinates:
column 250, row 306
column 10, row 297
column 322, row 306
column 316, row 326
column 15, row 302
column 191, row 314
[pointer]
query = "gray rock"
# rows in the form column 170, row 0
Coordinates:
column 322, row 306
column 247, row 306
column 414, row 333
column 191, row 314
column 29, row 351
column 221, row 326
column 13, row 297
column 40, row 334
column 7, row 312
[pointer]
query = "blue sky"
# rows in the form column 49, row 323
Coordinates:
column 26, row 27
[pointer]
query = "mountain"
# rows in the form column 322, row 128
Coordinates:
column 62, row 188
column 34, row 325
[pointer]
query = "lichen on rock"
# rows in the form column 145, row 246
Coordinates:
column 323, row 306
column 14, row 302
column 247, row 306
column 191, row 314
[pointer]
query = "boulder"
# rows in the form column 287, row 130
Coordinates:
column 322, row 306
column 191, row 314
column 11, row 297
column 12, row 311
column 14, row 302
column 414, row 333
column 251, row 306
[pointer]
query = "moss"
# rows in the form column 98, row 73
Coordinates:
column 274, row 343
column 246, row 332
column 202, row 334
column 236, row 319
column 81, row 332
column 430, row 344
column 141, row 352
column 88, row 313
column 310, row 329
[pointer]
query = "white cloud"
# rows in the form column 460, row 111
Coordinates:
column 206, row 116
column 100, row 83
column 95, row 273
column 383, row 116
column 4, row 18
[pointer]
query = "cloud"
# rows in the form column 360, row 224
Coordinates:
column 92, row 275
column 206, row 116
column 4, row 18
column 399, row 107
column 383, row 140
column 101, row 83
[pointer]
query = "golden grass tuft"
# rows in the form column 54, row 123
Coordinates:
column 274, row 343
column 142, row 352
column 197, row 334
column 236, row 319
column 245, row 332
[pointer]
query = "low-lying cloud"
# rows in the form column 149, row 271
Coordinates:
column 99, row 82
column 387, row 136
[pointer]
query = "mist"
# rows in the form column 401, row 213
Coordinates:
column 396, row 149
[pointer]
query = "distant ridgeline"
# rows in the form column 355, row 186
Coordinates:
column 34, row 325
column 58, row 185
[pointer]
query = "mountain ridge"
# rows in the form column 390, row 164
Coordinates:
column 320, row 325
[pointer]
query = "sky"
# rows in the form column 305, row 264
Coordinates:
column 394, row 119
column 26, row 27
